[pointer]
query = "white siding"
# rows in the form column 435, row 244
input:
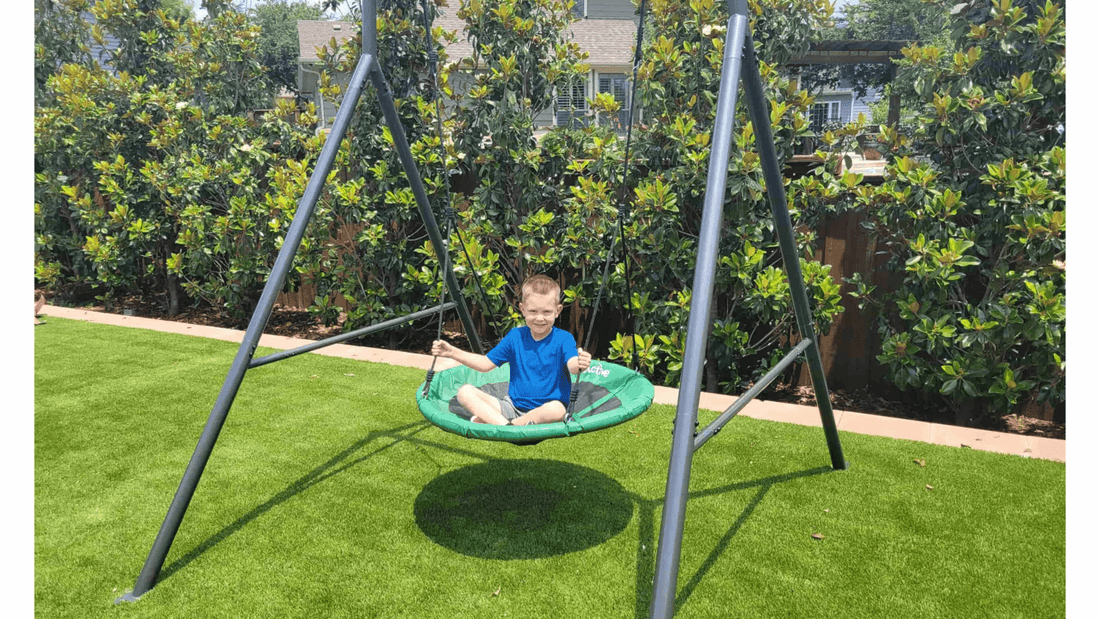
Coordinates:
column 326, row 110
column 873, row 96
column 859, row 105
column 545, row 118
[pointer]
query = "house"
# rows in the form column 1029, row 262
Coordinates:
column 313, row 35
column 839, row 104
column 606, row 29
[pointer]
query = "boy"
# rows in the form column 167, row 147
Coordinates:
column 538, row 355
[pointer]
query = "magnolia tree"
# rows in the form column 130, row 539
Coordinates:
column 973, row 212
column 153, row 177
column 383, row 264
column 150, row 176
column 678, row 85
column 522, row 57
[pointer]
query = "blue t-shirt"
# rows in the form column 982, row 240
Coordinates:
column 538, row 371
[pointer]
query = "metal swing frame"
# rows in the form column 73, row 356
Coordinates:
column 685, row 439
column 739, row 60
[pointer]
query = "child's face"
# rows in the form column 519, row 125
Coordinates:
column 540, row 311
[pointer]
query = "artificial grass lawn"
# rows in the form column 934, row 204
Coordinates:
column 329, row 495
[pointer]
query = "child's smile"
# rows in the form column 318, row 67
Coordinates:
column 540, row 311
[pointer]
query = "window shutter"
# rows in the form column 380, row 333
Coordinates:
column 616, row 84
column 572, row 105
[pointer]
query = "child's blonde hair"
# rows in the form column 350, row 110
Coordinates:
column 540, row 284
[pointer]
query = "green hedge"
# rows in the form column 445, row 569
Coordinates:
column 159, row 183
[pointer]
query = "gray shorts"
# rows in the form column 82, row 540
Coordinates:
column 508, row 408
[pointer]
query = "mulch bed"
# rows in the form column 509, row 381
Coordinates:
column 292, row 322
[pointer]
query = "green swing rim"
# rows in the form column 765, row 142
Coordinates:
column 634, row 391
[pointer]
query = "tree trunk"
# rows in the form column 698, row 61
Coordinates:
column 171, row 283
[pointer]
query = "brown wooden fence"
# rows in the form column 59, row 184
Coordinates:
column 849, row 350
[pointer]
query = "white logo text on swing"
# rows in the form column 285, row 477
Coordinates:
column 596, row 368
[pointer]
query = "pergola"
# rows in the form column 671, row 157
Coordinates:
column 856, row 52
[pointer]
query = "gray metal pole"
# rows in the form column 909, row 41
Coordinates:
column 708, row 432
column 702, row 289
column 773, row 180
column 397, row 130
column 351, row 335
column 167, row 534
column 370, row 26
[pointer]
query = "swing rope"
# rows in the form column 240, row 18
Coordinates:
column 624, row 203
column 433, row 95
column 449, row 213
column 450, row 217
column 623, row 213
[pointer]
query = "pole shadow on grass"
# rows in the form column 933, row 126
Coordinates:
column 339, row 463
column 522, row 509
column 647, row 542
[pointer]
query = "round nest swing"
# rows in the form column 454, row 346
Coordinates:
column 608, row 395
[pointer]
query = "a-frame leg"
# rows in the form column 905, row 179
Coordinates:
column 773, row 180
column 366, row 68
column 147, row 578
column 738, row 44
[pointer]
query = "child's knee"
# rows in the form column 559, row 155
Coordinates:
column 554, row 411
column 466, row 393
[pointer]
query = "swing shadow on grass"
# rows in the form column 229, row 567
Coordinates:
column 525, row 509
column 522, row 509
column 506, row 509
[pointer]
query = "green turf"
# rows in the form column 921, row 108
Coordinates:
column 328, row 495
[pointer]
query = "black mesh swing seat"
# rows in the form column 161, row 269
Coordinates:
column 608, row 395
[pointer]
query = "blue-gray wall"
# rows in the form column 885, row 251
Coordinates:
column 606, row 9
column 101, row 53
column 849, row 109
column 873, row 96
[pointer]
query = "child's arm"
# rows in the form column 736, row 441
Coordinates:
column 481, row 363
column 579, row 363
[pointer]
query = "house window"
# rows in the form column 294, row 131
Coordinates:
column 616, row 84
column 573, row 105
column 824, row 114
column 578, row 8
